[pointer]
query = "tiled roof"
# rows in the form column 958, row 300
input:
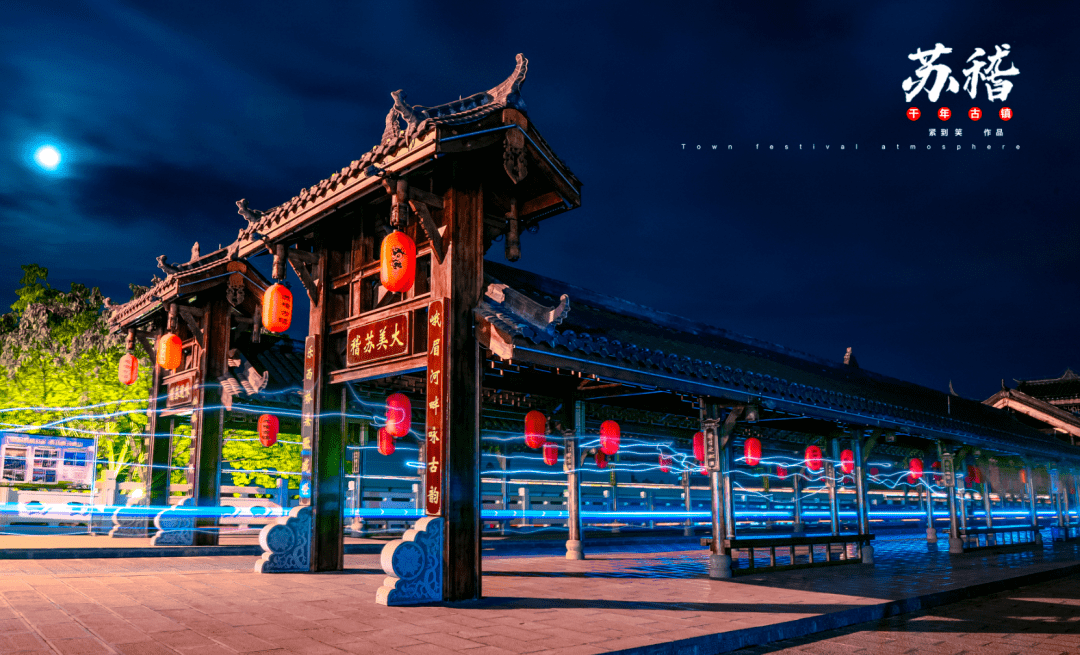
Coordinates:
column 685, row 355
column 406, row 127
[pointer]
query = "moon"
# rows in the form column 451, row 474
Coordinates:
column 47, row 157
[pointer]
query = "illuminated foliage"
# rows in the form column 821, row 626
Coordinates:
column 60, row 367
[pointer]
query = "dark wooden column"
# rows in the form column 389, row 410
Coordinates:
column 574, row 432
column 207, row 420
column 327, row 447
column 158, row 446
column 460, row 279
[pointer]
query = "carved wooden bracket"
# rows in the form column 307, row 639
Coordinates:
column 421, row 203
column 870, row 443
column 428, row 224
column 306, row 266
column 146, row 344
column 190, row 316
column 514, row 155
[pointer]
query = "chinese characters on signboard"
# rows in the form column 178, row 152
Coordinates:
column 377, row 340
column 436, row 406
column 934, row 77
column 181, row 390
column 307, row 416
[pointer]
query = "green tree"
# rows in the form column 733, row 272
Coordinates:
column 242, row 451
column 61, row 365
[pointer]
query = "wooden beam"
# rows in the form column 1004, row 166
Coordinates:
column 540, row 203
column 426, row 197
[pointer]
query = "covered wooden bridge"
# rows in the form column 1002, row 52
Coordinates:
column 469, row 338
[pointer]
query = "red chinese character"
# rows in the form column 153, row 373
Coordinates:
column 1005, row 113
column 974, row 113
column 944, row 113
column 913, row 113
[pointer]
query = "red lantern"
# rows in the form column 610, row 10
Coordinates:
column 974, row 475
column 874, row 471
column 268, row 430
column 170, row 349
column 915, row 470
column 752, row 451
column 398, row 262
column 847, row 461
column 609, row 437
column 551, row 454
column 813, row 458
column 781, row 472
column 601, row 459
column 535, row 428
column 398, row 415
column 386, row 442
column 665, row 463
column 128, row 369
column 704, row 471
column 936, row 466
column 277, row 308
column 699, row 446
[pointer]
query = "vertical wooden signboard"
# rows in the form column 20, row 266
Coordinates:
column 307, row 418
column 436, row 407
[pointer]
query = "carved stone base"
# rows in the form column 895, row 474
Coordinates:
column 286, row 544
column 414, row 565
column 175, row 526
column 130, row 521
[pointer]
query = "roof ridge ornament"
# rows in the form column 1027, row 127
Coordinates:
column 418, row 117
column 543, row 318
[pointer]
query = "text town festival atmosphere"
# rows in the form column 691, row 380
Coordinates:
column 446, row 348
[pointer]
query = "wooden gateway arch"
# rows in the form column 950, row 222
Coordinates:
column 471, row 334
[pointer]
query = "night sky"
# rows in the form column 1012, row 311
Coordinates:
column 933, row 265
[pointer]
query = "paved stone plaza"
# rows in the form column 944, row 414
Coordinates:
column 1042, row 618
column 640, row 599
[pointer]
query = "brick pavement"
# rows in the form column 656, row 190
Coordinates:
column 1041, row 619
column 616, row 600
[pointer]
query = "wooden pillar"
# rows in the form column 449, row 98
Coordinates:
column 208, row 419
column 796, row 497
column 688, row 525
column 987, row 508
column 1032, row 500
column 459, row 278
column 832, row 480
column 862, row 510
column 322, row 434
column 949, row 475
column 726, row 467
column 504, row 487
column 1076, row 491
column 931, row 531
column 575, row 429
column 158, row 446
column 614, row 479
